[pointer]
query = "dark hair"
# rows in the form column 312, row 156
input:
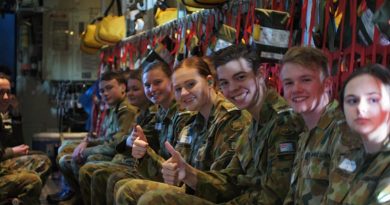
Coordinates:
column 135, row 74
column 307, row 56
column 5, row 76
column 197, row 63
column 110, row 75
column 158, row 64
column 375, row 70
column 235, row 52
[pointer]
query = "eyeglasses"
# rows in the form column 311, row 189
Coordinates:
column 5, row 91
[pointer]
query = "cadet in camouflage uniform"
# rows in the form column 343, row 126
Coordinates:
column 19, row 157
column 307, row 88
column 209, row 141
column 363, row 177
column 259, row 172
column 20, row 173
column 117, row 123
column 93, row 176
column 19, row 182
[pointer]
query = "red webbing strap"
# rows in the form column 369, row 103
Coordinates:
column 326, row 23
column 208, row 33
column 303, row 20
column 238, row 23
column 177, row 41
column 191, row 35
column 249, row 22
column 229, row 18
column 385, row 53
column 376, row 35
column 130, row 52
column 312, row 20
column 342, row 10
column 291, row 22
column 353, row 18
column 100, row 121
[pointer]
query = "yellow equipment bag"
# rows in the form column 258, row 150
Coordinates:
column 163, row 17
column 111, row 29
column 203, row 3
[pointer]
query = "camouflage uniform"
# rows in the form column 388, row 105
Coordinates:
column 96, row 174
column 205, row 144
column 115, row 125
column 168, row 123
column 258, row 173
column 357, row 177
column 309, row 180
column 18, row 176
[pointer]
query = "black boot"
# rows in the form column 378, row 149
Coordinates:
column 63, row 195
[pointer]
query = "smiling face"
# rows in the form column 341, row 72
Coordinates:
column 305, row 89
column 157, row 87
column 135, row 93
column 367, row 108
column 238, row 83
column 191, row 89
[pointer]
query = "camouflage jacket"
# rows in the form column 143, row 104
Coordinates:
column 169, row 124
column 147, row 120
column 359, row 178
column 116, row 125
column 309, row 180
column 259, row 172
column 211, row 143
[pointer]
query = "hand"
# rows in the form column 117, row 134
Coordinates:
column 78, row 152
column 21, row 149
column 131, row 138
column 174, row 169
column 140, row 143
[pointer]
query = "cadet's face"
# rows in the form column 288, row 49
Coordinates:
column 112, row 91
column 5, row 94
column 367, row 108
column 238, row 82
column 191, row 89
column 157, row 87
column 135, row 93
column 304, row 88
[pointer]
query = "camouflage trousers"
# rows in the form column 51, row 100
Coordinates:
column 67, row 147
column 70, row 168
column 128, row 191
column 36, row 161
column 94, row 183
column 22, row 184
column 173, row 197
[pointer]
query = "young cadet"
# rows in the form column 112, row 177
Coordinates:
column 208, row 142
column 93, row 177
column 307, row 88
column 363, row 177
column 259, row 172
column 119, row 119
column 168, row 123
column 22, row 172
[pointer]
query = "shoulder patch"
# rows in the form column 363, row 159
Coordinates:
column 286, row 147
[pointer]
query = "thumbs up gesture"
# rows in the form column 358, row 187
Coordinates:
column 140, row 143
column 174, row 169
